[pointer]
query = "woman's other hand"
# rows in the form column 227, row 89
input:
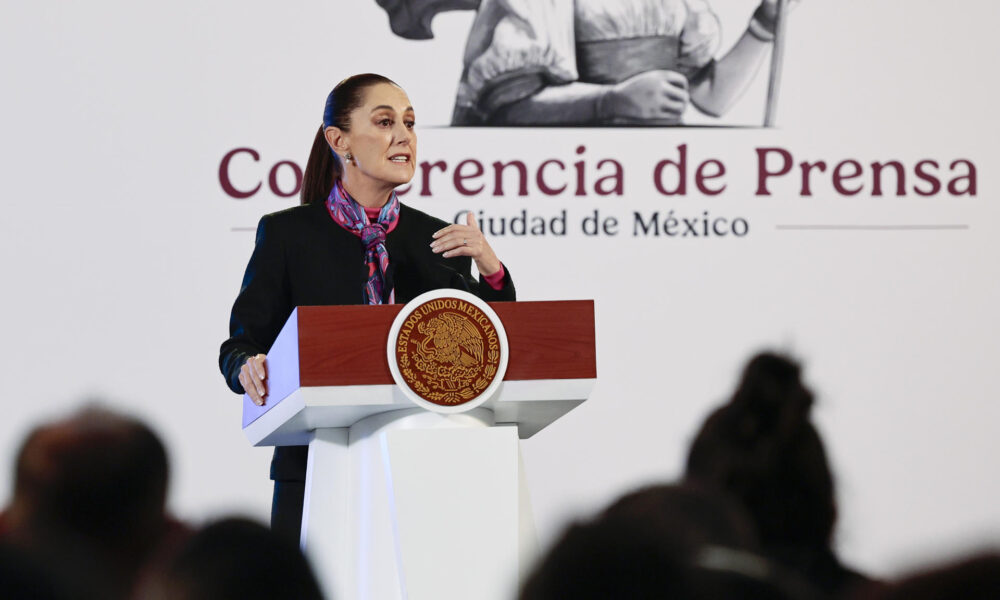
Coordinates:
column 466, row 240
column 253, row 378
column 658, row 96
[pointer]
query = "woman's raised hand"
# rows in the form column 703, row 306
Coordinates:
column 253, row 378
column 466, row 240
column 658, row 96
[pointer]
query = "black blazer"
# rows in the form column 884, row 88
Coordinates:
column 302, row 257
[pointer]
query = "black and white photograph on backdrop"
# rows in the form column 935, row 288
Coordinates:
column 598, row 62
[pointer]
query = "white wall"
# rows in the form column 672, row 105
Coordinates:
column 122, row 254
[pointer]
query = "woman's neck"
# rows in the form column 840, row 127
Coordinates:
column 368, row 192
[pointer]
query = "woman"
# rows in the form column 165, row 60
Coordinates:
column 604, row 62
column 351, row 242
column 762, row 449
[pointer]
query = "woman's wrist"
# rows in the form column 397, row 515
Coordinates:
column 488, row 267
column 495, row 280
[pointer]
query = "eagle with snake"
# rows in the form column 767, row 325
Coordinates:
column 451, row 339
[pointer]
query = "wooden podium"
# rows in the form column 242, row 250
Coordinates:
column 402, row 502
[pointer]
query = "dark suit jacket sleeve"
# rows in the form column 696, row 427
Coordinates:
column 504, row 294
column 456, row 273
column 262, row 307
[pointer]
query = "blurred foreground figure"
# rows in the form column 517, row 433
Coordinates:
column 236, row 559
column 762, row 449
column 88, row 502
column 23, row 577
column 675, row 542
column 975, row 578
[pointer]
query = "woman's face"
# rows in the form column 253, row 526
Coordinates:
column 381, row 138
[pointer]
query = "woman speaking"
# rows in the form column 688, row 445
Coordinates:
column 350, row 242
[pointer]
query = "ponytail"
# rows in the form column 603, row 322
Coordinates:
column 322, row 170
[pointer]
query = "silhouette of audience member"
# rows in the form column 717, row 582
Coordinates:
column 88, row 500
column 975, row 578
column 24, row 577
column 762, row 449
column 691, row 517
column 666, row 541
column 236, row 559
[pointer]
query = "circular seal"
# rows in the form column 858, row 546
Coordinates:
column 447, row 351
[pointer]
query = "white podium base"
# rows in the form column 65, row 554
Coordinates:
column 417, row 505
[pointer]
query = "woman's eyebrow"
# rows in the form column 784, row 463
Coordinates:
column 387, row 107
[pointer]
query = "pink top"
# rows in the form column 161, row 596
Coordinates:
column 495, row 280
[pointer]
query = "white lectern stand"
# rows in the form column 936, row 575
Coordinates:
column 400, row 502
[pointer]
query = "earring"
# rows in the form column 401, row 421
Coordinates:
column 348, row 156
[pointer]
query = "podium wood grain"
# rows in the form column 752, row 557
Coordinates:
column 548, row 340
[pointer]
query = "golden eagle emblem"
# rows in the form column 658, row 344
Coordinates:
column 448, row 351
column 451, row 340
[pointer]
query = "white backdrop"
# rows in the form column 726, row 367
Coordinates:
column 122, row 254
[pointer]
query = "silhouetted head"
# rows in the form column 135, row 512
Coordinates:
column 691, row 517
column 88, row 502
column 96, row 473
column 664, row 541
column 236, row 559
column 603, row 559
column 762, row 449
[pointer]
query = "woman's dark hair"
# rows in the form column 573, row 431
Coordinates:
column 324, row 166
column 763, row 450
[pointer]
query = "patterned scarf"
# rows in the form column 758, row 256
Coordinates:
column 351, row 216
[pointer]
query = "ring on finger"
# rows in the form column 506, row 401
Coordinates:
column 465, row 242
